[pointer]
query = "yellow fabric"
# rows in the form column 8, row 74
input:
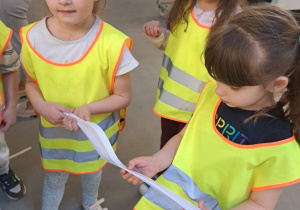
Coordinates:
column 5, row 35
column 72, row 85
column 185, row 49
column 226, row 171
column 145, row 204
column 69, row 166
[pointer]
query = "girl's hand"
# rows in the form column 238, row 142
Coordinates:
column 202, row 206
column 83, row 112
column 152, row 29
column 144, row 165
column 71, row 123
column 53, row 112
column 8, row 118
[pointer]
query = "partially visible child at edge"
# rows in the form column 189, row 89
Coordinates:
column 12, row 186
column 75, row 63
column 183, row 73
column 241, row 147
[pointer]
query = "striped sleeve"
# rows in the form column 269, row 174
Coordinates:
column 9, row 61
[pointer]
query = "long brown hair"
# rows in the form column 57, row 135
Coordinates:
column 180, row 11
column 255, row 47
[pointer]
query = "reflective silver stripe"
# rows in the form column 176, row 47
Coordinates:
column 182, row 77
column 175, row 101
column 79, row 157
column 60, row 132
column 114, row 138
column 109, row 121
column 64, row 154
column 161, row 200
column 175, row 175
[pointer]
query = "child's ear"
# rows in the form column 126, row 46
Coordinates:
column 278, row 84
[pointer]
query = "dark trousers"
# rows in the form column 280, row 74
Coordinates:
column 169, row 128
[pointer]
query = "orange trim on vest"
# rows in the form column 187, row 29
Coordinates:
column 276, row 185
column 117, row 64
column 22, row 42
column 169, row 118
column 35, row 81
column 77, row 173
column 285, row 141
column 114, row 73
column 7, row 41
column 73, row 172
column 20, row 35
column 202, row 26
column 66, row 64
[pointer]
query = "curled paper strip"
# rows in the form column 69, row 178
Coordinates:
column 102, row 145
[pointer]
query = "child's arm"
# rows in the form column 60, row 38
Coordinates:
column 120, row 99
column 156, row 34
column 52, row 112
column 149, row 166
column 259, row 200
column 10, row 86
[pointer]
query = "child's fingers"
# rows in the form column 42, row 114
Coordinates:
column 122, row 171
column 131, row 164
column 70, row 123
column 201, row 205
column 86, row 117
column 135, row 164
column 137, row 181
column 64, row 109
column 152, row 29
column 74, row 124
column 133, row 179
column 158, row 31
column 127, row 176
column 67, row 123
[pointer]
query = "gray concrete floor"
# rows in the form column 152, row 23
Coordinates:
column 140, row 137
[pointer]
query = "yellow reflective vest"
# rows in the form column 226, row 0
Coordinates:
column 5, row 35
column 208, row 166
column 183, row 72
column 89, row 79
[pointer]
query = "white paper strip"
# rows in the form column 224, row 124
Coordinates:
column 102, row 145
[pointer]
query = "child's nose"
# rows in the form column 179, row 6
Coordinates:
column 220, row 90
column 64, row 1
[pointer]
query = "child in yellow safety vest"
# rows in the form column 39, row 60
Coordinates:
column 183, row 72
column 75, row 63
column 241, row 146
